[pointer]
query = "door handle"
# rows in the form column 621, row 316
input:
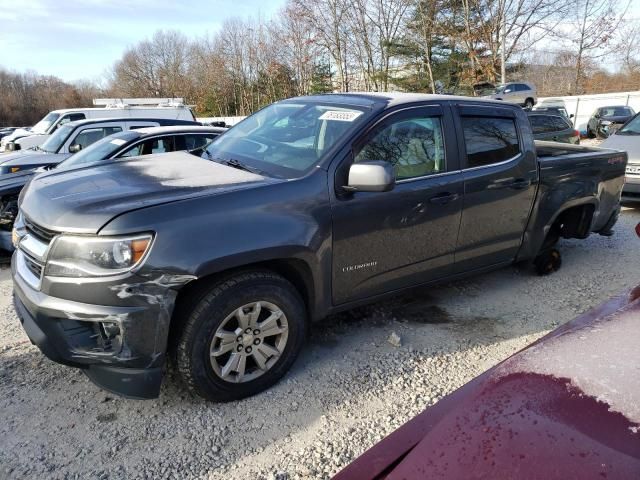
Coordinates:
column 444, row 198
column 520, row 184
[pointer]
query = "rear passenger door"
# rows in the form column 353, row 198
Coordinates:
column 500, row 176
column 383, row 241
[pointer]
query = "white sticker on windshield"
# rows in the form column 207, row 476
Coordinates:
column 340, row 115
column 118, row 141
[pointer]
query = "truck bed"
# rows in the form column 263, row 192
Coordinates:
column 577, row 172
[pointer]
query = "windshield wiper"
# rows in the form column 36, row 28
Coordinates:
column 239, row 165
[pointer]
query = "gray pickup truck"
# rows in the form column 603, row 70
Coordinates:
column 311, row 206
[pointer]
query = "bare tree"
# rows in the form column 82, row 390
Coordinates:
column 593, row 31
column 156, row 67
column 328, row 19
column 628, row 47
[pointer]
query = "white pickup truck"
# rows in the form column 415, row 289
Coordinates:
column 167, row 108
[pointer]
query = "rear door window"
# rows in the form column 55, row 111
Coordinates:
column 489, row 140
column 560, row 123
column 153, row 145
column 193, row 141
column 90, row 135
column 540, row 124
column 71, row 117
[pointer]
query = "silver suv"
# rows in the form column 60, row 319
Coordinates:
column 521, row 93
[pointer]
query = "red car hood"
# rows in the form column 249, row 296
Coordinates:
column 566, row 407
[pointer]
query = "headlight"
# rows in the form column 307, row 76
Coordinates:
column 79, row 256
column 605, row 123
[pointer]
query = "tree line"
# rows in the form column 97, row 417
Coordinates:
column 27, row 97
column 317, row 46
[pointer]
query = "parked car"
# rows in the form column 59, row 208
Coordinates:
column 554, row 128
column 520, row 93
column 557, row 110
column 4, row 131
column 125, row 144
column 111, row 108
column 627, row 138
column 308, row 207
column 566, row 407
column 606, row 120
column 74, row 137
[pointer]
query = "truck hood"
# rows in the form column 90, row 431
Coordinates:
column 13, row 182
column 18, row 133
column 18, row 154
column 31, row 161
column 83, row 200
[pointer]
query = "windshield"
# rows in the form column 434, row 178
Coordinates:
column 55, row 141
column 500, row 89
column 100, row 150
column 616, row 112
column 43, row 125
column 632, row 127
column 285, row 139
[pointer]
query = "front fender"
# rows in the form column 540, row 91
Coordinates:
column 288, row 221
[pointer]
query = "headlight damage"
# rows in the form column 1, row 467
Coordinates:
column 78, row 256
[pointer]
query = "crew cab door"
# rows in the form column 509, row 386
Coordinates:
column 388, row 240
column 500, row 174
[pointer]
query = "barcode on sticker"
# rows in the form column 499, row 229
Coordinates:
column 340, row 115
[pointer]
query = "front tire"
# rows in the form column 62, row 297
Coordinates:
column 241, row 336
column 528, row 104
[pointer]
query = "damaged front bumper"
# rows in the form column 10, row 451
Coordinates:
column 121, row 345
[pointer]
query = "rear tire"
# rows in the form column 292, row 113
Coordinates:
column 222, row 354
column 548, row 261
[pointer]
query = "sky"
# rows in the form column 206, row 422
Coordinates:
column 81, row 39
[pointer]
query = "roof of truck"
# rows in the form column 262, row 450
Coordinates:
column 128, row 107
column 390, row 98
column 161, row 121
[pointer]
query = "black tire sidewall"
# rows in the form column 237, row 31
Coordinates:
column 209, row 316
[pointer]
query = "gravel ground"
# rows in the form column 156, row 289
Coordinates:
column 350, row 387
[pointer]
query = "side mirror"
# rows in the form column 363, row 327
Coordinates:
column 597, row 115
column 75, row 148
column 372, row 176
column 571, row 116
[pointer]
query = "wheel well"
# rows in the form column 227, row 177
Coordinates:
column 575, row 222
column 295, row 271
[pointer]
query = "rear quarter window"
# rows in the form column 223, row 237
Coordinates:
column 489, row 140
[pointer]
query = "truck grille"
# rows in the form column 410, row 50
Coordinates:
column 40, row 233
column 33, row 266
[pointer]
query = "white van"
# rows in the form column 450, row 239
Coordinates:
column 166, row 108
